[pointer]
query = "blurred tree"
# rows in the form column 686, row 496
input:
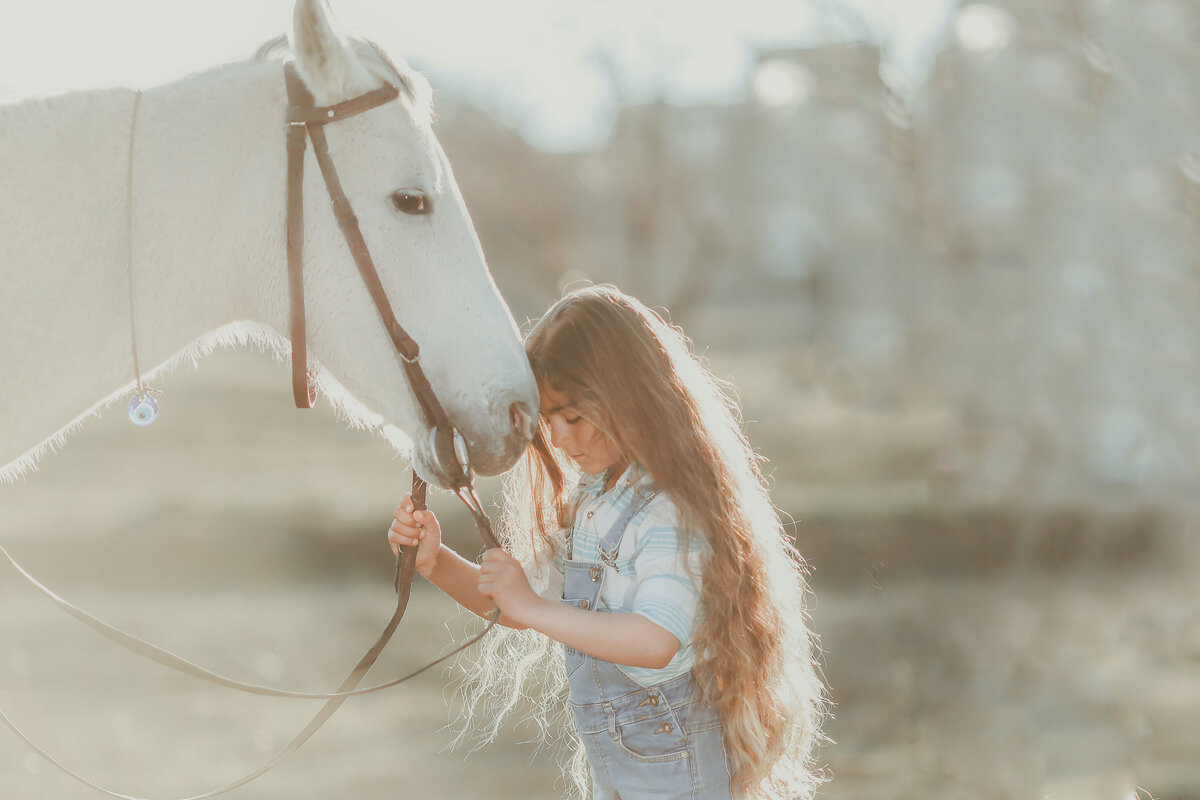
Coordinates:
column 1052, row 135
column 1015, row 238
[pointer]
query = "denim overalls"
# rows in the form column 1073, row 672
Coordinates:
column 643, row 743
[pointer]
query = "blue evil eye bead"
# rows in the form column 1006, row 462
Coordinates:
column 142, row 410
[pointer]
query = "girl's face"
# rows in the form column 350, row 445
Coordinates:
column 577, row 435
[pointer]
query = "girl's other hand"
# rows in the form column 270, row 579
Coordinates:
column 502, row 578
column 420, row 528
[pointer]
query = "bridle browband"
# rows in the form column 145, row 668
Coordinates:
column 306, row 120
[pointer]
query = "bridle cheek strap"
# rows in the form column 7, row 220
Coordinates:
column 297, row 140
column 307, row 121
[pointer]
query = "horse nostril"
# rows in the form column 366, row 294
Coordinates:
column 521, row 416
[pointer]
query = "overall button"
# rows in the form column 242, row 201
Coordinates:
column 583, row 604
column 590, row 514
column 595, row 573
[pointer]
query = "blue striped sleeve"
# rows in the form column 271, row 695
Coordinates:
column 668, row 592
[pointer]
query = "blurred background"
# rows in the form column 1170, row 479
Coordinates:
column 947, row 253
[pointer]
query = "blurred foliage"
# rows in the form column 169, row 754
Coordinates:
column 1013, row 239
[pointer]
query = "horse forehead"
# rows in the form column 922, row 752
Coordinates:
column 391, row 145
column 429, row 164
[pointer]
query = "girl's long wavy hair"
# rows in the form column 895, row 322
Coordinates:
column 636, row 377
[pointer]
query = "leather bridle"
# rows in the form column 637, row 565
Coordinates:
column 306, row 120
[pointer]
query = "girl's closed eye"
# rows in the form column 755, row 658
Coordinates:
column 565, row 418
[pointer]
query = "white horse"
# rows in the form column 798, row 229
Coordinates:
column 206, row 238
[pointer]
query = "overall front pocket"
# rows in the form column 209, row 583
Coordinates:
column 652, row 739
column 572, row 660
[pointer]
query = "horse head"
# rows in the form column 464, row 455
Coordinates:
column 419, row 234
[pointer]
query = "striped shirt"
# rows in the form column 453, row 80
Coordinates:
column 650, row 575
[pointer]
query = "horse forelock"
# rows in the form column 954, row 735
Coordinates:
column 412, row 83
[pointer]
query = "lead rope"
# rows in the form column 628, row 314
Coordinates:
column 448, row 445
column 403, row 583
column 405, row 563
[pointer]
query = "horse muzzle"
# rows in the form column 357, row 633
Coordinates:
column 447, row 455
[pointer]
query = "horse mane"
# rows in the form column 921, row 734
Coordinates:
column 22, row 111
column 412, row 83
column 236, row 335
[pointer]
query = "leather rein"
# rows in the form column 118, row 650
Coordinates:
column 306, row 121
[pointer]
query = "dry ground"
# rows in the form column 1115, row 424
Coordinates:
column 973, row 650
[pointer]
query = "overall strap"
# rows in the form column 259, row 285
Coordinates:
column 610, row 545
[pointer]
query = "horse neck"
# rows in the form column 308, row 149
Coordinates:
column 207, row 221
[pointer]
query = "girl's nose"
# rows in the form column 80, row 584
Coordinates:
column 557, row 431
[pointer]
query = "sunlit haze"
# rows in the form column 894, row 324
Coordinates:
column 553, row 69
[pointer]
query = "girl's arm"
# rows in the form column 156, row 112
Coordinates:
column 622, row 638
column 444, row 568
column 459, row 578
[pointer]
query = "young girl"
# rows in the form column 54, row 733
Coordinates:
column 664, row 572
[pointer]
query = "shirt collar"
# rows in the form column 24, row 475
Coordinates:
column 593, row 483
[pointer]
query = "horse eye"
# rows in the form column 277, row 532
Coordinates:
column 411, row 201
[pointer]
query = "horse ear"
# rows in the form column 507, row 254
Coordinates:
column 325, row 59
